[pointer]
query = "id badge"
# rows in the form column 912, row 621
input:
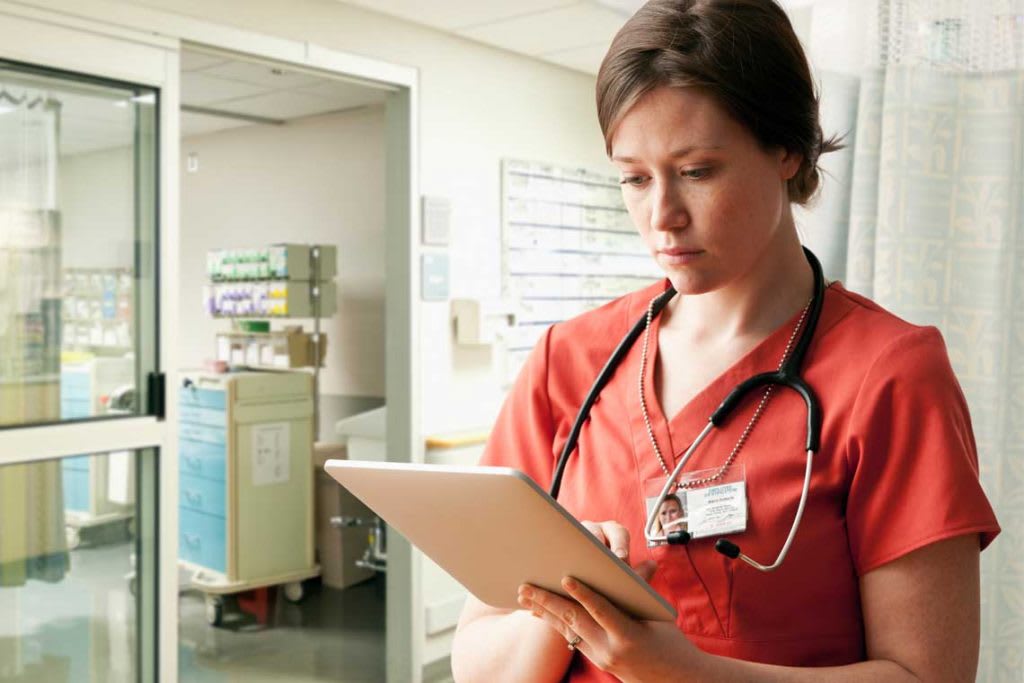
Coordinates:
column 671, row 515
column 718, row 508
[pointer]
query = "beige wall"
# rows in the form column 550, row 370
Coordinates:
column 313, row 180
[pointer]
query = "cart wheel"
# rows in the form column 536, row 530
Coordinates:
column 214, row 610
column 293, row 591
column 73, row 538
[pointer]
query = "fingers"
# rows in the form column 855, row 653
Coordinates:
column 646, row 569
column 565, row 616
column 605, row 614
column 613, row 535
column 595, row 529
column 618, row 539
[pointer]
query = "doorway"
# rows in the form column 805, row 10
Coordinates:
column 274, row 154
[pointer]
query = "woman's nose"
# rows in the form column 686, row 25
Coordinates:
column 668, row 210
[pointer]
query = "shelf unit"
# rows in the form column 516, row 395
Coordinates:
column 303, row 276
column 97, row 311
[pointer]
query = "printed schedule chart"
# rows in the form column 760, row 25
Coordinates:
column 568, row 246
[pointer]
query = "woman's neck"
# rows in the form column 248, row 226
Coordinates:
column 754, row 304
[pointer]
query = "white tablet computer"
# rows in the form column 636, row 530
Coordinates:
column 492, row 529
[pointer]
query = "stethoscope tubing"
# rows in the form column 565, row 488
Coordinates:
column 788, row 376
column 603, row 378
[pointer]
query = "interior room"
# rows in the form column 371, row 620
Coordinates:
column 251, row 249
column 312, row 148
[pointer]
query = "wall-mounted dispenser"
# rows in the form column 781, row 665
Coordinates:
column 480, row 323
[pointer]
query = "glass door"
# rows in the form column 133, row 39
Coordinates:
column 81, row 391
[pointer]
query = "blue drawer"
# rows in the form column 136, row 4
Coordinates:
column 76, row 490
column 71, row 408
column 79, row 462
column 200, row 459
column 193, row 432
column 75, row 384
column 202, row 495
column 202, row 398
column 208, row 417
column 201, row 539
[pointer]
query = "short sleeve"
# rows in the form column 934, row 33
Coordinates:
column 912, row 457
column 524, row 433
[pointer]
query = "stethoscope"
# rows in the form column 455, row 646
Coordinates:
column 788, row 375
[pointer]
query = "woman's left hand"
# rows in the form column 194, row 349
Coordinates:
column 629, row 649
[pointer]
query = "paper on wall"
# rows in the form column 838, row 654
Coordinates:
column 271, row 453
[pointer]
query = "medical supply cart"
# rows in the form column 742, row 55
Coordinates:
column 246, row 484
column 98, row 488
column 246, row 438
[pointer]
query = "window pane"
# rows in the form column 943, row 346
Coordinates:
column 69, row 553
column 77, row 217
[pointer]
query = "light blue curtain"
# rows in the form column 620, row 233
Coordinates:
column 936, row 234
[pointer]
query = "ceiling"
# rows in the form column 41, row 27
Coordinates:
column 570, row 33
column 253, row 89
column 93, row 117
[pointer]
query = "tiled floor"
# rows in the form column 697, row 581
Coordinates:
column 82, row 630
column 330, row 636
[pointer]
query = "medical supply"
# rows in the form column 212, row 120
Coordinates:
column 274, row 262
column 279, row 349
column 269, row 299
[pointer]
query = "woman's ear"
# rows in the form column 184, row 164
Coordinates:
column 789, row 163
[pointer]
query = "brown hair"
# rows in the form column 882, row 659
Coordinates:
column 743, row 52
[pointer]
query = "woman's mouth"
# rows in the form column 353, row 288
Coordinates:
column 678, row 256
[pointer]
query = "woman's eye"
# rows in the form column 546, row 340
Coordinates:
column 634, row 180
column 697, row 173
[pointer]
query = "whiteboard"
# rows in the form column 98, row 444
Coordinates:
column 568, row 246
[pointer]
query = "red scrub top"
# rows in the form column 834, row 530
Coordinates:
column 896, row 471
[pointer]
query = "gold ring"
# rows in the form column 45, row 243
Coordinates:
column 574, row 642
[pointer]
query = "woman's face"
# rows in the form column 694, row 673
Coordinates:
column 669, row 512
column 708, row 199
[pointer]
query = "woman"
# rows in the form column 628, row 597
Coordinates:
column 709, row 112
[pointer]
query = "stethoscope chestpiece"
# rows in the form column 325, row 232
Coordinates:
column 678, row 537
column 727, row 548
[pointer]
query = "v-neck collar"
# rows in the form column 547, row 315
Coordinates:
column 693, row 417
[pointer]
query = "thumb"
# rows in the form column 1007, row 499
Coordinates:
column 646, row 569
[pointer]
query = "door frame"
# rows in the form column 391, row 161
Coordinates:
column 82, row 21
column 40, row 38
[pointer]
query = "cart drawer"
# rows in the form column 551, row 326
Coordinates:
column 200, row 459
column 77, row 384
column 202, row 495
column 76, row 490
column 201, row 539
column 71, row 408
column 209, row 417
column 202, row 398
column 193, row 432
column 78, row 462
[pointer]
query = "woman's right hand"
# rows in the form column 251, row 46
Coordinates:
column 616, row 537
